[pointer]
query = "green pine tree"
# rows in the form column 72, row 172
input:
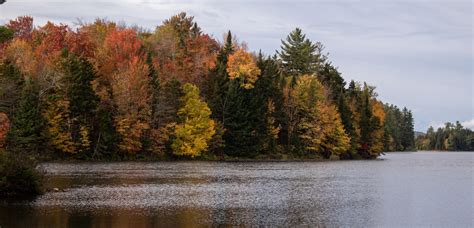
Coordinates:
column 219, row 82
column 299, row 55
column 366, row 124
column 25, row 135
column 82, row 102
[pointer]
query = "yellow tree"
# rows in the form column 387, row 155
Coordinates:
column 58, row 129
column 319, row 127
column 378, row 133
column 241, row 65
column 21, row 54
column 196, row 128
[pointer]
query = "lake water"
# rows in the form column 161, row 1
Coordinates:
column 403, row 189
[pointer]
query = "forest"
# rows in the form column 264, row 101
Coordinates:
column 108, row 91
column 451, row 137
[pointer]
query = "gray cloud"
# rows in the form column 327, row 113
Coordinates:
column 417, row 53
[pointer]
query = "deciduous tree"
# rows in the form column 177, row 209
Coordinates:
column 195, row 128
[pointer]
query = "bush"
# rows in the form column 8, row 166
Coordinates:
column 19, row 176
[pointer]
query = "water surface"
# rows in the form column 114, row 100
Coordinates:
column 403, row 189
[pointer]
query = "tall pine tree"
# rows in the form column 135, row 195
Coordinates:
column 25, row 134
column 299, row 56
column 82, row 102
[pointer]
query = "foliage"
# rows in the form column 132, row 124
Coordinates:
column 131, row 95
column 317, row 124
column 4, row 127
column 299, row 55
column 82, row 101
column 451, row 137
column 241, row 66
column 109, row 91
column 398, row 129
column 19, row 176
column 6, row 34
column 195, row 128
column 22, row 27
column 27, row 124
column 58, row 132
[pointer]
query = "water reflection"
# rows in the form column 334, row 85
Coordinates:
column 405, row 189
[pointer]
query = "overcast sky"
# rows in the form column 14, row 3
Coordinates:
column 418, row 54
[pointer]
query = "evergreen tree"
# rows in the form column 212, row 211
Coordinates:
column 407, row 130
column 219, row 82
column 25, row 134
column 149, row 134
column 267, row 103
column 451, row 137
column 165, row 116
column 366, row 124
column 299, row 55
column 330, row 77
column 82, row 101
column 6, row 34
column 107, row 137
column 10, row 87
column 240, row 134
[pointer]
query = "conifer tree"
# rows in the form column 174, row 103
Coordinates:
column 219, row 81
column 82, row 101
column 25, row 134
column 10, row 87
column 299, row 55
column 240, row 135
column 407, row 130
column 366, row 124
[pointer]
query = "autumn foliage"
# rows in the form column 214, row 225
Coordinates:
column 4, row 127
column 104, row 90
column 241, row 66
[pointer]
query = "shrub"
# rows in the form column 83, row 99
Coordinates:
column 19, row 175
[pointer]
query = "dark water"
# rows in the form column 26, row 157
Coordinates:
column 404, row 189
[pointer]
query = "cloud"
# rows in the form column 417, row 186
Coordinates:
column 417, row 53
column 469, row 124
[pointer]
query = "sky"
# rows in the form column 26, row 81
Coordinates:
column 418, row 53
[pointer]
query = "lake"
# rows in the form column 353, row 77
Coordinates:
column 403, row 189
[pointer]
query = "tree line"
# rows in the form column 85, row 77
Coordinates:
column 450, row 137
column 108, row 91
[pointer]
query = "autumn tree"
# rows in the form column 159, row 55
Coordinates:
column 20, row 54
column 165, row 116
column 131, row 95
column 241, row 67
column 4, row 127
column 123, row 87
column 317, row 124
column 195, row 128
column 378, row 132
column 22, row 27
column 110, row 91
column 182, row 51
column 58, row 130
column 241, row 117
